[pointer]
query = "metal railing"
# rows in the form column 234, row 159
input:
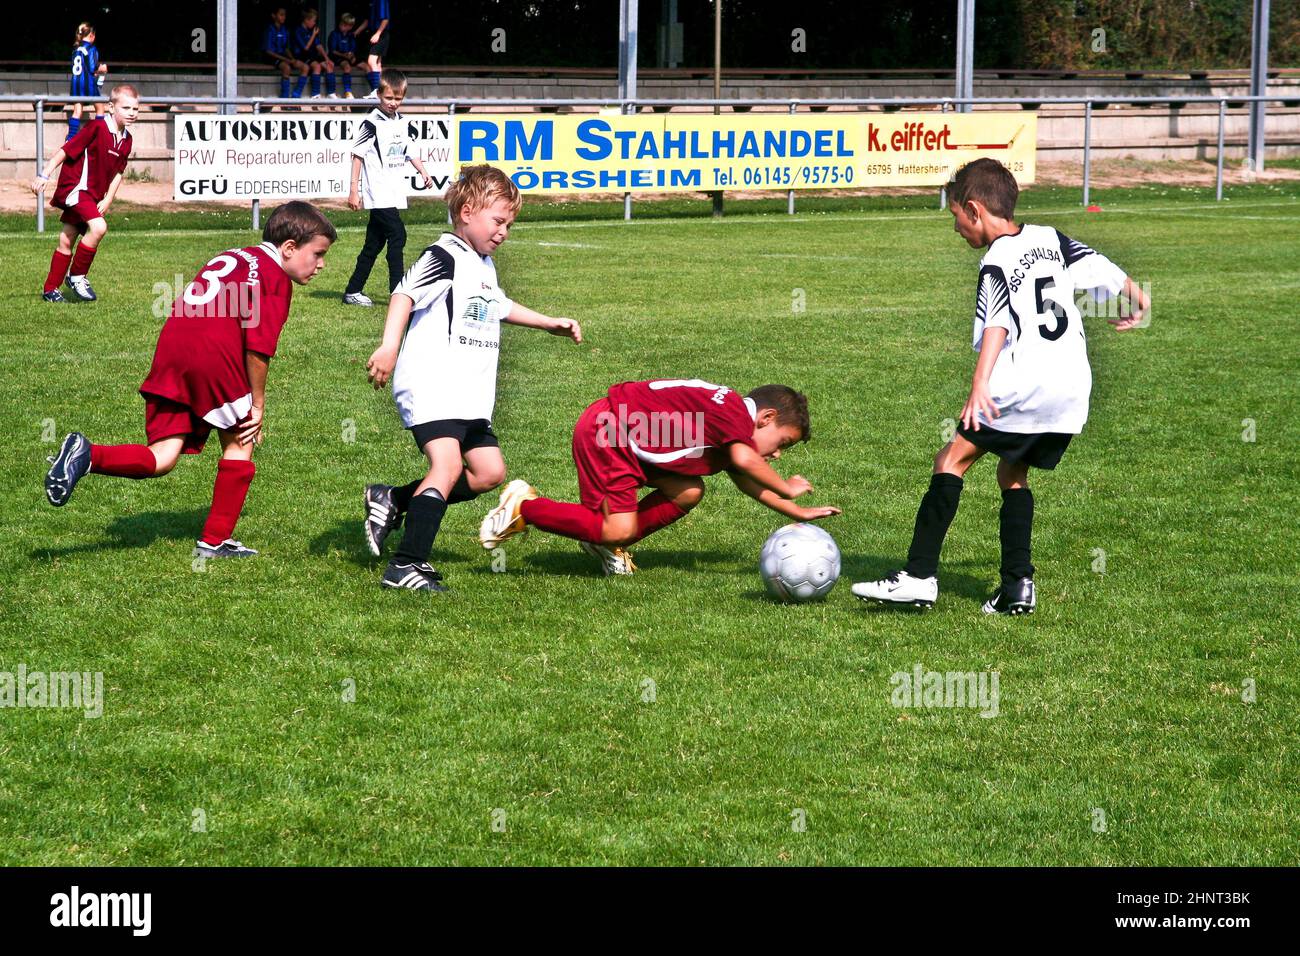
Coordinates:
column 626, row 105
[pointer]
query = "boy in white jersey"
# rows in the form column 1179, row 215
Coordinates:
column 444, row 371
column 1029, row 394
column 379, row 157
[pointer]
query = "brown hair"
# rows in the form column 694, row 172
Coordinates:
column 394, row 80
column 480, row 186
column 300, row 221
column 791, row 406
column 83, row 30
column 986, row 181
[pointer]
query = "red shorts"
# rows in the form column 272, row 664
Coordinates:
column 164, row 418
column 608, row 472
column 79, row 215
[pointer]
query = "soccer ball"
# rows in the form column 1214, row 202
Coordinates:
column 799, row 562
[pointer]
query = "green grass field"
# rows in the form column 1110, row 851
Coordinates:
column 507, row 722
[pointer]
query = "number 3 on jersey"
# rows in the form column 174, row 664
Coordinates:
column 216, row 270
column 1044, row 305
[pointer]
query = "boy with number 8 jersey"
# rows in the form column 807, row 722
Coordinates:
column 1029, row 395
column 209, row 371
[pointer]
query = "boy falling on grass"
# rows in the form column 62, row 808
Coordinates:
column 90, row 167
column 666, row 434
column 440, row 347
column 209, row 371
column 1032, row 381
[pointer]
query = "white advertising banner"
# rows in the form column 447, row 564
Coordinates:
column 285, row 156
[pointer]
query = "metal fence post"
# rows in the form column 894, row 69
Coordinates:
column 40, row 155
column 789, row 195
column 257, row 203
column 1087, row 149
column 629, row 108
column 451, row 118
column 1218, row 156
column 943, row 190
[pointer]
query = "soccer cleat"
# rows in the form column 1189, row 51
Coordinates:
column 504, row 520
column 357, row 298
column 67, row 468
column 315, row 96
column 54, row 296
column 1020, row 598
column 332, row 96
column 899, row 587
column 613, row 560
column 382, row 516
column 348, row 95
column 230, row 548
column 80, row 287
column 410, row 576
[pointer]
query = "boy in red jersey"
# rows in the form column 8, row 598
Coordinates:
column 209, row 371
column 92, row 165
column 667, row 434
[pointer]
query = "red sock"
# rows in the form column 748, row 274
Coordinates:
column 233, row 478
column 82, row 259
column 124, row 461
column 560, row 517
column 58, row 269
column 654, row 512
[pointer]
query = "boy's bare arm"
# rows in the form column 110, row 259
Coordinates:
column 384, row 359
column 522, row 315
column 745, row 461
column 419, row 168
column 768, row 497
column 43, row 180
column 1134, row 293
column 979, row 399
column 256, row 364
column 110, row 195
column 354, row 192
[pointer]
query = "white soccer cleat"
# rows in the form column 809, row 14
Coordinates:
column 899, row 587
column 504, row 520
column 358, row 298
column 612, row 560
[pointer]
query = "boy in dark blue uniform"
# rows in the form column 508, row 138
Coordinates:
column 307, row 47
column 275, row 46
column 87, row 75
column 342, row 47
column 380, row 33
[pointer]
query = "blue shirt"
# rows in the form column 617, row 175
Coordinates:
column 341, row 42
column 301, row 35
column 85, row 61
column 378, row 13
column 276, row 39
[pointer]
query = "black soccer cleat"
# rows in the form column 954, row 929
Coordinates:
column 412, row 576
column 67, row 468
column 230, row 548
column 54, row 296
column 382, row 516
column 1019, row 598
column 80, row 287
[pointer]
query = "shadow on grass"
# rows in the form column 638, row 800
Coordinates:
column 137, row 531
column 348, row 538
column 573, row 560
column 952, row 582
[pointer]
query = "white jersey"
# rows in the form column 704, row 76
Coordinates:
column 383, row 144
column 448, row 364
column 1027, row 285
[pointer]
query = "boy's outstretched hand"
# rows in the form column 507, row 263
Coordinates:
column 566, row 327
column 379, row 367
column 979, row 402
column 825, row 511
column 799, row 485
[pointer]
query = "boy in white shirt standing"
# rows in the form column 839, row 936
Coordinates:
column 1029, row 395
column 379, row 157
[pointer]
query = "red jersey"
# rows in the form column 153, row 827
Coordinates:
column 679, row 425
column 239, row 302
column 96, row 154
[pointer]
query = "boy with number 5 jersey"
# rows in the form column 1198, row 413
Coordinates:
column 1029, row 395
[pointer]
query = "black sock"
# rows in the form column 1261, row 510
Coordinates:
column 1017, row 524
column 938, row 508
column 402, row 494
column 422, row 521
column 460, row 491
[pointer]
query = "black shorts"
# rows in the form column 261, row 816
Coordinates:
column 1041, row 450
column 381, row 48
column 470, row 432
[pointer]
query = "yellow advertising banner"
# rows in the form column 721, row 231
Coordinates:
column 670, row 152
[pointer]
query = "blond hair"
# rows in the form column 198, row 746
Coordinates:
column 123, row 89
column 479, row 187
column 347, row 18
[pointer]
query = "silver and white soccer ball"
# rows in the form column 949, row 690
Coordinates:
column 799, row 562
